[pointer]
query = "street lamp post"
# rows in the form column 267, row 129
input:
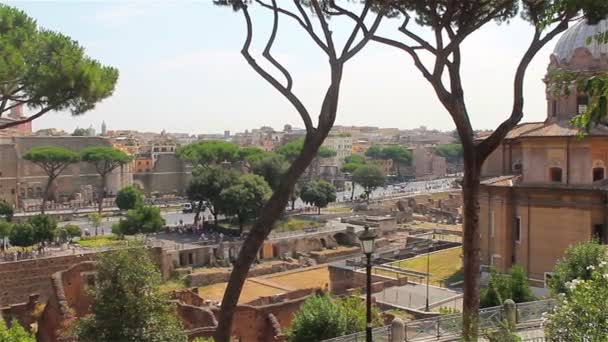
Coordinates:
column 428, row 266
column 367, row 238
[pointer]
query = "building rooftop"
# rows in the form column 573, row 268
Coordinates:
column 577, row 36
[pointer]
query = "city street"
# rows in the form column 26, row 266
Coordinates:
column 176, row 217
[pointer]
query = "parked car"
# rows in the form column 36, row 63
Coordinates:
column 187, row 208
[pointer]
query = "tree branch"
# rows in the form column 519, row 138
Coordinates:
column 306, row 24
column 366, row 38
column 26, row 120
column 357, row 28
column 268, row 55
column 326, row 32
column 292, row 98
column 490, row 143
column 403, row 29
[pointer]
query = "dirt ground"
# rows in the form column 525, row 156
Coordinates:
column 316, row 277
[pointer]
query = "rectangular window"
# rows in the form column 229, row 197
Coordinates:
column 598, row 232
column 582, row 103
column 598, row 174
column 554, row 108
column 517, row 229
column 555, row 174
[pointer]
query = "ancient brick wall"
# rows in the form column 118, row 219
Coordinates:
column 22, row 278
column 68, row 300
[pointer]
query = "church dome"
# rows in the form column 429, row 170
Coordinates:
column 576, row 37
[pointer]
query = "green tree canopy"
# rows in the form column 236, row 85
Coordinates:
column 209, row 152
column 292, row 149
column 141, row 220
column 318, row 193
column 506, row 286
column 245, row 198
column 355, row 159
column 105, row 159
column 52, row 160
column 44, row 228
column 6, row 211
column 68, row 232
column 370, row 177
column 271, row 166
column 5, row 229
column 574, row 264
column 95, row 219
column 451, row 152
column 46, row 70
column 127, row 303
column 400, row 155
column 320, row 318
column 22, row 235
column 16, row 333
column 580, row 313
column 207, row 184
column 129, row 197
column 374, row 152
column 250, row 153
column 79, row 132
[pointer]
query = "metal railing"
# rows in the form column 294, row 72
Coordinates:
column 449, row 326
column 382, row 334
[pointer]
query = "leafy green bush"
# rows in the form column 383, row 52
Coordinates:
column 502, row 287
column 321, row 318
column 128, row 198
column 141, row 220
column 580, row 313
column 16, row 333
column 574, row 264
column 127, row 302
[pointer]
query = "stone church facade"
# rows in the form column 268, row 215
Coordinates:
column 545, row 187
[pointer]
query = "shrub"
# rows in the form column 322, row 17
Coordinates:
column 502, row 287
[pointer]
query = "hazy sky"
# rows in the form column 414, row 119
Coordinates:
column 181, row 70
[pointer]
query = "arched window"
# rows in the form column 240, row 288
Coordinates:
column 555, row 174
column 598, row 173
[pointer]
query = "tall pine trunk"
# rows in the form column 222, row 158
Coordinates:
column 45, row 196
column 471, row 246
column 102, row 194
column 197, row 215
column 269, row 215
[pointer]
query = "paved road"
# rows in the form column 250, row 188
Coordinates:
column 175, row 217
column 172, row 218
column 414, row 296
column 401, row 188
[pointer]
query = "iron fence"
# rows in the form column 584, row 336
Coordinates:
column 449, row 326
column 381, row 334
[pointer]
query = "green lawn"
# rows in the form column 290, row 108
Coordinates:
column 336, row 210
column 291, row 224
column 100, row 241
column 445, row 266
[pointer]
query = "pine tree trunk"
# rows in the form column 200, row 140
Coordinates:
column 471, row 248
column 45, row 196
column 102, row 194
column 198, row 213
column 258, row 233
